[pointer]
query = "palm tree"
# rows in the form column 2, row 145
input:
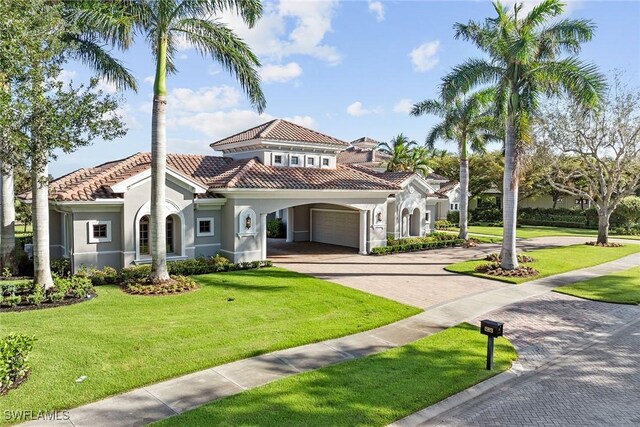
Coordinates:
column 399, row 148
column 524, row 64
column 468, row 122
column 164, row 23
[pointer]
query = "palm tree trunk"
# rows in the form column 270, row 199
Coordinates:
column 508, row 256
column 603, row 225
column 40, row 199
column 159, row 272
column 8, row 229
column 464, row 193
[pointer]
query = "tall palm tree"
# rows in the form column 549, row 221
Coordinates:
column 164, row 23
column 525, row 63
column 469, row 122
column 399, row 148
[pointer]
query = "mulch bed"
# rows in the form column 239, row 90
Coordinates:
column 44, row 305
column 494, row 269
column 16, row 384
column 494, row 257
column 605, row 245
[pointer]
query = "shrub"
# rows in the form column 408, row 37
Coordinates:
column 443, row 224
column 135, row 273
column 61, row 266
column 73, row 286
column 629, row 209
column 12, row 300
column 454, row 217
column 488, row 214
column 177, row 285
column 105, row 276
column 14, row 360
column 36, row 297
column 416, row 246
column 276, row 228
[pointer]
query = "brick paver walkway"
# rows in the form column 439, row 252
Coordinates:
column 596, row 386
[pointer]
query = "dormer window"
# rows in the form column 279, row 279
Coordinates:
column 310, row 161
column 325, row 162
column 294, row 160
column 277, row 159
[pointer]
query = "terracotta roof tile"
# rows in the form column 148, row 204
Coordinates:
column 358, row 155
column 281, row 130
column 95, row 183
column 253, row 174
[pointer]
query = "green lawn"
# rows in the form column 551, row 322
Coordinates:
column 372, row 391
column 554, row 261
column 122, row 341
column 22, row 231
column 528, row 232
column 621, row 288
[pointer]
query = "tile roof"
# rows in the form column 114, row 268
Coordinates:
column 358, row 155
column 95, row 183
column 436, row 177
column 281, row 130
column 446, row 187
column 250, row 174
column 213, row 172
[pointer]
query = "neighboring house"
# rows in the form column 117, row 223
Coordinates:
column 100, row 216
column 363, row 152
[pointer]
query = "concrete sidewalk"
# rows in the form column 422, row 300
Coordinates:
column 162, row 400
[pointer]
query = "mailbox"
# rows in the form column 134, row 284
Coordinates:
column 491, row 328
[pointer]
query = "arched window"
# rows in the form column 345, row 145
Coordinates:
column 144, row 236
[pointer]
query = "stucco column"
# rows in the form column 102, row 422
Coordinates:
column 263, row 236
column 363, row 232
column 289, row 225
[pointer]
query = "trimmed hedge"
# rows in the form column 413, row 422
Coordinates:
column 416, row 246
column 14, row 360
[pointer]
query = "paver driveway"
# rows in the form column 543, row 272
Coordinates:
column 414, row 278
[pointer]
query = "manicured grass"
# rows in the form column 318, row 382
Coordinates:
column 554, row 261
column 372, row 391
column 121, row 341
column 528, row 232
column 621, row 288
column 22, row 231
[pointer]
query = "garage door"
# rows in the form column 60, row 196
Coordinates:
column 335, row 227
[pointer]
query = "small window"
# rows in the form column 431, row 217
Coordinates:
column 277, row 159
column 204, row 227
column 454, row 206
column 99, row 231
column 310, row 161
column 325, row 162
column 427, row 216
column 294, row 160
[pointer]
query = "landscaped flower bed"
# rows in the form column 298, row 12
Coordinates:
column 494, row 269
column 605, row 245
column 26, row 295
column 495, row 257
column 412, row 244
column 177, row 285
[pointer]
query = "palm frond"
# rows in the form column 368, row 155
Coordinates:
column 428, row 106
column 215, row 40
column 469, row 74
column 583, row 82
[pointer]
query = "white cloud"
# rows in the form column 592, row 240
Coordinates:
column 66, row 76
column 220, row 124
column 280, row 73
column 290, row 27
column 377, row 8
column 106, row 86
column 403, row 106
column 357, row 110
column 149, row 80
column 203, row 99
column 424, row 57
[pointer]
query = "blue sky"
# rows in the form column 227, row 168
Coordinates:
column 345, row 68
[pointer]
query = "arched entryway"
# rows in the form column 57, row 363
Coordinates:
column 415, row 220
column 406, row 223
column 174, row 229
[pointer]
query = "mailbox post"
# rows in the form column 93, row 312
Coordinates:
column 491, row 329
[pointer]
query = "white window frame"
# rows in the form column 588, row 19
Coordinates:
column 275, row 161
column 326, row 159
column 91, row 239
column 200, row 234
column 296, row 162
column 455, row 207
column 311, row 161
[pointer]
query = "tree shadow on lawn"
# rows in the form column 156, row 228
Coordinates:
column 374, row 390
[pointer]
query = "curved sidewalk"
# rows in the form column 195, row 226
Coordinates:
column 162, row 400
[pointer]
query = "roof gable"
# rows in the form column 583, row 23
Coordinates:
column 280, row 130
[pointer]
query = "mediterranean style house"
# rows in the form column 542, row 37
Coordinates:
column 324, row 189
